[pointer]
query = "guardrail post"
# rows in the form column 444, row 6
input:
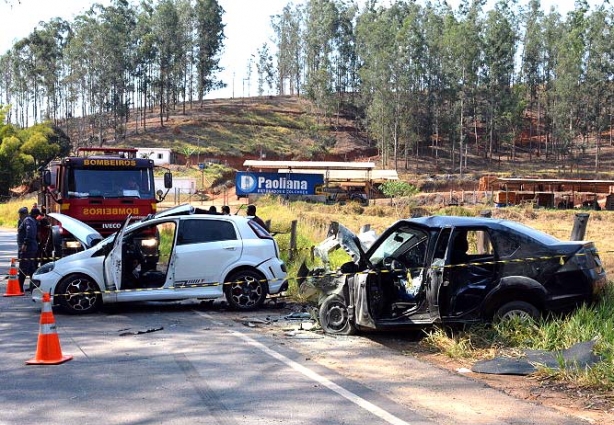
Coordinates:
column 579, row 227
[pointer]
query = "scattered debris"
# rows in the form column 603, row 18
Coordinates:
column 577, row 356
column 141, row 332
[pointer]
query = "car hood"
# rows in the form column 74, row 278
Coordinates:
column 340, row 236
column 84, row 233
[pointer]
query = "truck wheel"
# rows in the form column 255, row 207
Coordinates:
column 334, row 317
column 79, row 294
column 520, row 309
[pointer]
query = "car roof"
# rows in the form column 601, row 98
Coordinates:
column 440, row 221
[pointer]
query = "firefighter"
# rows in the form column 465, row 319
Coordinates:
column 27, row 245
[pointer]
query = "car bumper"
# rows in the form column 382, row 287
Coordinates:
column 44, row 283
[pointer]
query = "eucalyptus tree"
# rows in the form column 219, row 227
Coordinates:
column 185, row 61
column 58, row 103
column 532, row 64
column 467, row 48
column 117, row 23
column 99, row 59
column 552, row 34
column 42, row 51
column 381, row 73
column 321, row 19
column 143, row 60
column 410, row 64
column 436, row 75
column 209, row 41
column 265, row 69
column 344, row 60
column 570, row 72
column 167, row 39
column 500, row 38
column 6, row 81
column 288, row 30
column 597, row 86
column 25, row 83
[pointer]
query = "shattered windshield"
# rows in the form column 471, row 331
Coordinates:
column 397, row 243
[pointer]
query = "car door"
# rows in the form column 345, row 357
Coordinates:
column 437, row 275
column 113, row 261
column 474, row 275
column 358, row 286
column 206, row 250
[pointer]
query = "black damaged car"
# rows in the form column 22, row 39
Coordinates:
column 452, row 270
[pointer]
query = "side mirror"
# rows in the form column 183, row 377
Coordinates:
column 46, row 177
column 168, row 180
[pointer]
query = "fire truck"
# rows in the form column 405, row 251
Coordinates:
column 100, row 187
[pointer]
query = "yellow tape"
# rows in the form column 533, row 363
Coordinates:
column 560, row 258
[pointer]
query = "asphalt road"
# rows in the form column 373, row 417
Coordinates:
column 180, row 363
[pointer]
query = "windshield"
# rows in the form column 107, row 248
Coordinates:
column 118, row 183
column 398, row 243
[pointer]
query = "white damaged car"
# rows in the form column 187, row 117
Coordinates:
column 180, row 253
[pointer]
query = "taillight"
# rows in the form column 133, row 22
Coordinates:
column 259, row 230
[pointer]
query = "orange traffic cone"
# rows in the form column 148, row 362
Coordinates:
column 48, row 350
column 12, row 288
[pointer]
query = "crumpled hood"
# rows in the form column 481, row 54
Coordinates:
column 340, row 236
column 84, row 233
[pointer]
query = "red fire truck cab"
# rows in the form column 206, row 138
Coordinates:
column 100, row 187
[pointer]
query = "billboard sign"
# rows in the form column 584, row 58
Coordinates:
column 278, row 184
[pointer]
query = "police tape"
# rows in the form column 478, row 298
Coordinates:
column 318, row 274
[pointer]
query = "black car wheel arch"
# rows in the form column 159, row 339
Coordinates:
column 514, row 288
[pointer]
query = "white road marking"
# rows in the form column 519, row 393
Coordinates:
column 367, row 405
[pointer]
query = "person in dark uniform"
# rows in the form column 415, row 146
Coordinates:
column 43, row 226
column 251, row 212
column 27, row 245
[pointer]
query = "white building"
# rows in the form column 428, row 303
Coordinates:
column 160, row 156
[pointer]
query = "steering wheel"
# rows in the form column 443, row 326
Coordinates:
column 394, row 266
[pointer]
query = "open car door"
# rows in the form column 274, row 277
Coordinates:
column 113, row 260
column 437, row 275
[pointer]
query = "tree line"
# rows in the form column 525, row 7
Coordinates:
column 425, row 80
column 113, row 64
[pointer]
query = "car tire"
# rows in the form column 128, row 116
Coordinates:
column 519, row 309
column 334, row 317
column 245, row 290
column 79, row 294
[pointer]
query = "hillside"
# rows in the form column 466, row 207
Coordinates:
column 291, row 128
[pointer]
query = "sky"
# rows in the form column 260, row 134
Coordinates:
column 247, row 28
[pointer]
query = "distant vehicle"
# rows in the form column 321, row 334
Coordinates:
column 180, row 253
column 452, row 270
column 100, row 187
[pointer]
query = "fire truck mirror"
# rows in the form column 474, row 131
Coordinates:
column 168, row 180
column 46, row 176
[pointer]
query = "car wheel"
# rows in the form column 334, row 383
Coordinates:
column 79, row 294
column 334, row 317
column 520, row 309
column 245, row 290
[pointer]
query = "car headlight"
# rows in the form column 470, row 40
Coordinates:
column 73, row 244
column 45, row 268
